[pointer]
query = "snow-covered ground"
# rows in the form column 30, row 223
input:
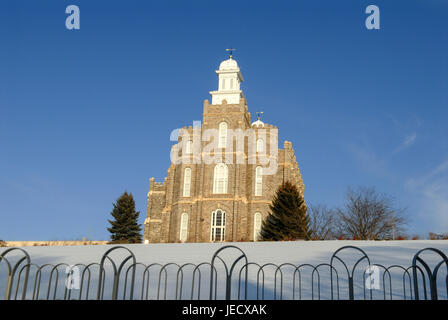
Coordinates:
column 287, row 280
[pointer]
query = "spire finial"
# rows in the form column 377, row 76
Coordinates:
column 259, row 113
column 230, row 51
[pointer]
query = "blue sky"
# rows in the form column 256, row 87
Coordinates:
column 86, row 114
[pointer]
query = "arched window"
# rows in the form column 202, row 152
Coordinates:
column 218, row 229
column 187, row 182
column 189, row 147
column 183, row 234
column 231, row 83
column 260, row 145
column 222, row 135
column 220, row 178
column 257, row 225
column 258, row 180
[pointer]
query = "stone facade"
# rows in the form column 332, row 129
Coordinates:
column 168, row 202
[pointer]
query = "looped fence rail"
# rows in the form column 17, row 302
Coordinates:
column 349, row 274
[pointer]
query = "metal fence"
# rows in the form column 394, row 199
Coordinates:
column 350, row 274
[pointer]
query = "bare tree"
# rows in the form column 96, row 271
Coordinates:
column 369, row 215
column 436, row 236
column 322, row 222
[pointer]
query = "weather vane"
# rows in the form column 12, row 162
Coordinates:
column 230, row 52
column 259, row 113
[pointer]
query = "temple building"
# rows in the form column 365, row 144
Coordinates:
column 220, row 192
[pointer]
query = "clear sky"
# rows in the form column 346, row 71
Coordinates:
column 87, row 114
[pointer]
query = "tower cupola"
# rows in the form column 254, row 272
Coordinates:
column 229, row 81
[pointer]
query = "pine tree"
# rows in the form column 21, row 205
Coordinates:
column 125, row 227
column 288, row 219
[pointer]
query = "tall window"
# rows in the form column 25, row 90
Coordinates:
column 220, row 178
column 257, row 226
column 258, row 180
column 231, row 83
column 218, row 231
column 189, row 147
column 260, row 145
column 222, row 135
column 183, row 234
column 187, row 182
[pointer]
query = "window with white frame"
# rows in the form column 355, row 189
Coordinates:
column 260, row 145
column 218, row 226
column 183, row 233
column 187, row 182
column 257, row 225
column 189, row 147
column 258, row 180
column 222, row 135
column 220, row 178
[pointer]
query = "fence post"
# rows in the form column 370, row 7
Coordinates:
column 117, row 272
column 350, row 273
column 351, row 294
column 229, row 272
column 432, row 275
column 12, row 272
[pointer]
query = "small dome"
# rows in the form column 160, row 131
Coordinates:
column 258, row 123
column 228, row 64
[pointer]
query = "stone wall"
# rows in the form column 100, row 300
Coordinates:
column 52, row 243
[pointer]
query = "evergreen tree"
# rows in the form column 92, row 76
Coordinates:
column 125, row 227
column 288, row 219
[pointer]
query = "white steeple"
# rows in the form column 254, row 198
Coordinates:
column 229, row 80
